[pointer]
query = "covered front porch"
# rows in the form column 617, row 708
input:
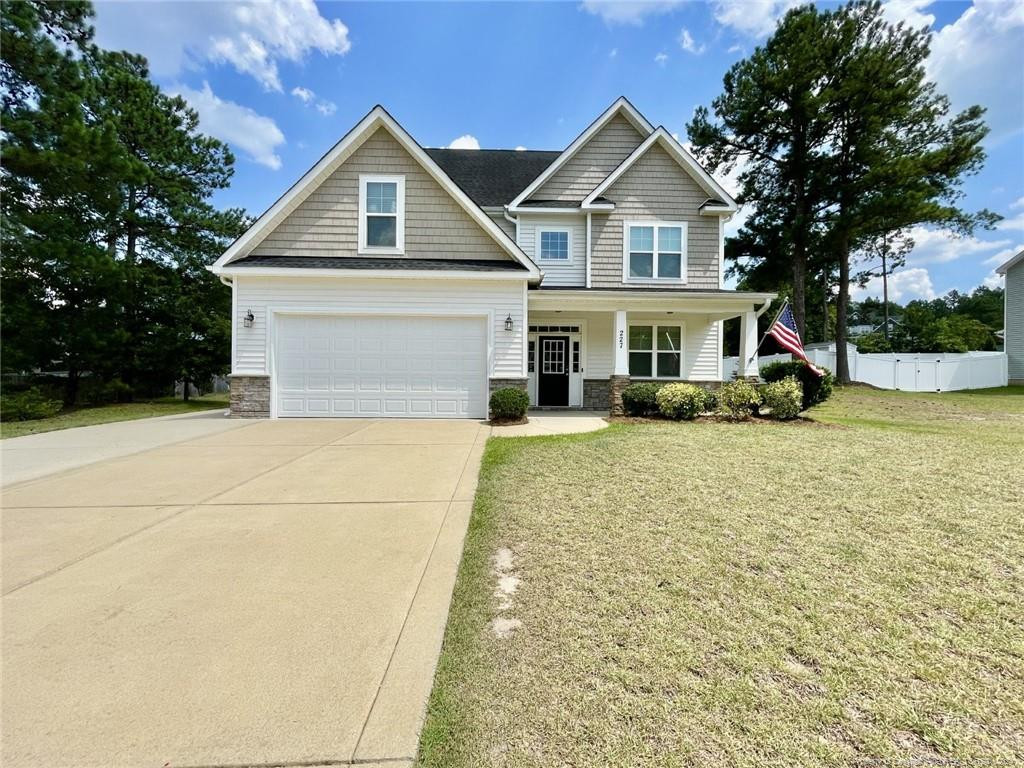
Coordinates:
column 585, row 346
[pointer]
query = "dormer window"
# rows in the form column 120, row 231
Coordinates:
column 554, row 245
column 381, row 214
column 654, row 252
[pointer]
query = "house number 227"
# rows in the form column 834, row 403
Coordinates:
column 622, row 339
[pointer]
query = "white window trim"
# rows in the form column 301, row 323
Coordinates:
column 541, row 228
column 399, row 182
column 681, row 280
column 655, row 324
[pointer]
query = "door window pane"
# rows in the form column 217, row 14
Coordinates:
column 380, row 231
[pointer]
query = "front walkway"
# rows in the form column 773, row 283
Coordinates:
column 554, row 423
column 269, row 593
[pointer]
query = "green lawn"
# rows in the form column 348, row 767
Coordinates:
column 847, row 593
column 105, row 414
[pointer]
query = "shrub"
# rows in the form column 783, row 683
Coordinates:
column 28, row 406
column 783, row 398
column 509, row 404
column 817, row 389
column 681, row 401
column 738, row 399
column 640, row 399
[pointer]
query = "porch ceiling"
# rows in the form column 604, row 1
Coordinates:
column 720, row 304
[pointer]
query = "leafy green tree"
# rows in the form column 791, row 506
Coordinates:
column 768, row 118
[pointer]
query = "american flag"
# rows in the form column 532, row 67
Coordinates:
column 784, row 331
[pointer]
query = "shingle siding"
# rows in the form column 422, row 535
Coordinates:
column 652, row 189
column 326, row 223
column 1015, row 322
column 592, row 163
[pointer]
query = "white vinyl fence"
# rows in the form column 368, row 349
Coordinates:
column 939, row 372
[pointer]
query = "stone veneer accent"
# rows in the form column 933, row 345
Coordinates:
column 596, row 395
column 250, row 396
column 615, row 386
column 522, row 384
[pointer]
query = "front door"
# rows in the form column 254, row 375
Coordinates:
column 553, row 378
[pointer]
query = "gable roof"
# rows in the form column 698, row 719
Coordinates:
column 377, row 117
column 621, row 106
column 720, row 202
column 1013, row 261
column 492, row 177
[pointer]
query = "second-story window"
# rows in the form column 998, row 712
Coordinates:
column 654, row 252
column 554, row 245
column 381, row 214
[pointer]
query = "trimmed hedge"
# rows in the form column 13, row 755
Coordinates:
column 816, row 389
column 783, row 399
column 28, row 406
column 738, row 399
column 509, row 404
column 640, row 399
column 681, row 400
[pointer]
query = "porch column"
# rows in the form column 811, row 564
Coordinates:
column 620, row 373
column 748, row 346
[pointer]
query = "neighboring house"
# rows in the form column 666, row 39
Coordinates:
column 1013, row 317
column 397, row 281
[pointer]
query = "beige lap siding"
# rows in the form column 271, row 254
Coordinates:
column 381, row 296
column 326, row 223
column 655, row 188
column 592, row 163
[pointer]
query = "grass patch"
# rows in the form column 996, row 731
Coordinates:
column 106, row 414
column 758, row 594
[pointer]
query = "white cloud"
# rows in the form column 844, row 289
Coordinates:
column 993, row 280
column 520, row 148
column 661, row 59
column 613, row 53
column 465, row 141
column 326, row 108
column 905, row 285
column 687, row 43
column 1004, row 255
column 1016, row 221
column 753, row 18
column 937, row 246
column 253, row 37
column 910, row 12
column 979, row 59
column 303, row 94
column 256, row 135
column 628, row 11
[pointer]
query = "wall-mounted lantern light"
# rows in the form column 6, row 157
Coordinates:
column 508, row 322
column 248, row 320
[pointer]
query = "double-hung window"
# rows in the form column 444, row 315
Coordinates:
column 554, row 245
column 655, row 351
column 654, row 252
column 382, row 214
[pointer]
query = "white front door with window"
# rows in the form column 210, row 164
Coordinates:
column 380, row 366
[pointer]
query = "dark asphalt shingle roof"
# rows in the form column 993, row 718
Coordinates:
column 492, row 177
column 352, row 262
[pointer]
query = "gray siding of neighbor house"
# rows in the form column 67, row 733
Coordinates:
column 326, row 222
column 592, row 163
column 1014, row 298
column 655, row 188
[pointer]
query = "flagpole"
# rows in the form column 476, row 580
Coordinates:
column 785, row 303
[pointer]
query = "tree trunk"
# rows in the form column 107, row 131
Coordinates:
column 799, row 299
column 184, row 389
column 71, row 387
column 842, row 361
column 885, row 295
column 824, row 305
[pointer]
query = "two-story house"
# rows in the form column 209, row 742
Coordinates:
column 397, row 281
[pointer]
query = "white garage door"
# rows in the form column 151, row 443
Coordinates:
column 416, row 367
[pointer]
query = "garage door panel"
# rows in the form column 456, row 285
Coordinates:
column 381, row 366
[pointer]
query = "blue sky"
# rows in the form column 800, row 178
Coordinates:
column 282, row 80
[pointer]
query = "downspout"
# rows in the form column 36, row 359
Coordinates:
column 764, row 307
column 514, row 220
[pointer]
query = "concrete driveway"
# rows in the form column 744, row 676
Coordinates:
column 265, row 593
